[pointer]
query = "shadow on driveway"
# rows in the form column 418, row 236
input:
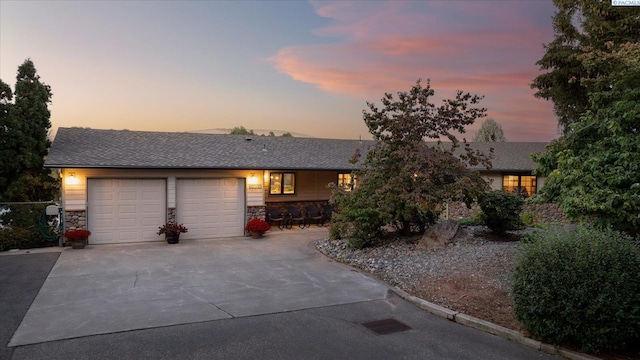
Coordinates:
column 21, row 277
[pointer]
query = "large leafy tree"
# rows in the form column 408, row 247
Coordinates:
column 490, row 131
column 404, row 180
column 594, row 169
column 580, row 25
column 24, row 145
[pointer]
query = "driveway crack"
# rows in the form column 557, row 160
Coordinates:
column 208, row 302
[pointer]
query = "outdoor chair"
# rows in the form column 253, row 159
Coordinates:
column 295, row 215
column 327, row 212
column 314, row 213
column 276, row 216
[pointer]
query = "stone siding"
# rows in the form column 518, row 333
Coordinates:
column 298, row 204
column 543, row 213
column 171, row 215
column 257, row 212
column 75, row 220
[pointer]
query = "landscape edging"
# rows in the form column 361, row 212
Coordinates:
column 489, row 327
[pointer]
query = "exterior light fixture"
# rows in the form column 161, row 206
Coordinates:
column 71, row 179
column 253, row 180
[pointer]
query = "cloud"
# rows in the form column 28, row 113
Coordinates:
column 484, row 47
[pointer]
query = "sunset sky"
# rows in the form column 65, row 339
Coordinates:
column 303, row 67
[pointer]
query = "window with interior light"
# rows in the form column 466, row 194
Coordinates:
column 346, row 181
column 282, row 183
column 523, row 185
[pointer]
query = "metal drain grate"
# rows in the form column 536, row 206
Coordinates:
column 386, row 326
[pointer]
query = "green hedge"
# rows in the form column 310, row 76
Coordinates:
column 501, row 211
column 20, row 227
column 579, row 287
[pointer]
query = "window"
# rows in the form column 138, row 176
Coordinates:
column 346, row 181
column 282, row 183
column 524, row 185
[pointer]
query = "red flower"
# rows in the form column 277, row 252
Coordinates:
column 172, row 228
column 257, row 225
column 78, row 234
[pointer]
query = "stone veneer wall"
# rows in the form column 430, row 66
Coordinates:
column 299, row 204
column 258, row 212
column 75, row 220
column 171, row 215
column 545, row 213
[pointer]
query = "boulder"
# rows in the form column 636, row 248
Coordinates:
column 443, row 233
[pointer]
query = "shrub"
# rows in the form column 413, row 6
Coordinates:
column 501, row 211
column 478, row 216
column 579, row 287
column 20, row 238
column 357, row 218
column 474, row 219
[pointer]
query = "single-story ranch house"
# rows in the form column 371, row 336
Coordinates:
column 122, row 185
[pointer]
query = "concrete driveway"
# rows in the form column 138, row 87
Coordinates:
column 113, row 288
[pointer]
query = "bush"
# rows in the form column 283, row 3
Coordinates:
column 579, row 287
column 20, row 238
column 501, row 211
column 19, row 227
column 475, row 219
column 357, row 218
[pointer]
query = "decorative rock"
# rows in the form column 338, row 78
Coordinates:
column 443, row 233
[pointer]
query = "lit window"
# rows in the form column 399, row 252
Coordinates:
column 523, row 185
column 346, row 181
column 282, row 183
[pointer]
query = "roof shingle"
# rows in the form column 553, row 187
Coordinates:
column 92, row 148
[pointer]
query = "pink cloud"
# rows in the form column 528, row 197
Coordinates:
column 487, row 48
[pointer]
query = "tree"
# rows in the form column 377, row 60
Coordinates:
column 594, row 169
column 580, row 24
column 404, row 180
column 241, row 130
column 287, row 134
column 490, row 131
column 6, row 152
column 25, row 126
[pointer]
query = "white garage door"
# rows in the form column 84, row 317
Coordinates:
column 125, row 210
column 210, row 208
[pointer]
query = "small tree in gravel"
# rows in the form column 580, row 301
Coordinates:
column 404, row 181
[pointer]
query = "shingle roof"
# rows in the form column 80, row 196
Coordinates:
column 511, row 156
column 92, row 148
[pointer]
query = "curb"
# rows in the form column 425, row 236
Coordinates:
column 490, row 328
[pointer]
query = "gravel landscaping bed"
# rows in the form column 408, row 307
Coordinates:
column 470, row 276
column 399, row 262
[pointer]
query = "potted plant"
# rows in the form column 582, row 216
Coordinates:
column 257, row 227
column 172, row 231
column 77, row 237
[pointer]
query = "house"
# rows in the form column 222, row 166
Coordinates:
column 123, row 184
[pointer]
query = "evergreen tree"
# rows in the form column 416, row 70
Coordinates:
column 594, row 169
column 580, row 24
column 25, row 143
column 490, row 131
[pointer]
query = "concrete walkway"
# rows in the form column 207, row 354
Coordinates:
column 112, row 288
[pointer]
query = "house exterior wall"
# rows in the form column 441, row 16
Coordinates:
column 310, row 186
column 74, row 187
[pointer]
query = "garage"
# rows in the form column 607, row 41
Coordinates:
column 125, row 210
column 210, row 208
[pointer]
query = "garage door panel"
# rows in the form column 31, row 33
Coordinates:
column 203, row 203
column 126, row 210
